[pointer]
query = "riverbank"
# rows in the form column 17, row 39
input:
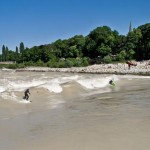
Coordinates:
column 141, row 68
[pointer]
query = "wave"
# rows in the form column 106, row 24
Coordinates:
column 99, row 82
column 52, row 87
column 2, row 89
column 11, row 87
column 9, row 96
column 22, row 85
column 55, row 84
column 51, row 84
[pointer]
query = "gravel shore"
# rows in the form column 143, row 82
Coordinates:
column 141, row 68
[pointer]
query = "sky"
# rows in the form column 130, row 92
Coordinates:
column 39, row 22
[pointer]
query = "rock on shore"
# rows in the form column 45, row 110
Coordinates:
column 142, row 68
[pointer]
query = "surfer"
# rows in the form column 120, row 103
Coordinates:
column 26, row 94
column 111, row 82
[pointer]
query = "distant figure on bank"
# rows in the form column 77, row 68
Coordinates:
column 26, row 94
column 131, row 64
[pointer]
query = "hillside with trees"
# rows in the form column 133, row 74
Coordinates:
column 101, row 45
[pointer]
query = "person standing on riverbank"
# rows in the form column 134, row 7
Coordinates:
column 131, row 64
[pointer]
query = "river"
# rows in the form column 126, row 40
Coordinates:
column 71, row 111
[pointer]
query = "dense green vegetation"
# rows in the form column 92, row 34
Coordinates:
column 102, row 45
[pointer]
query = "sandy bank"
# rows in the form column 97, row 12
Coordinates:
column 142, row 68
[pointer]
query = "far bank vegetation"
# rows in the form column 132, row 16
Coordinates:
column 101, row 45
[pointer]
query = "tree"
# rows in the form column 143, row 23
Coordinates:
column 17, row 54
column 6, row 53
column 143, row 49
column 121, row 56
column 77, row 43
column 100, row 42
column 133, row 39
column 3, row 53
column 107, row 59
column 17, row 50
column 21, row 47
column 11, row 55
column 103, row 50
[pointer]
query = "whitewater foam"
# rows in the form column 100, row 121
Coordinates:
column 9, row 96
column 23, row 101
column 52, row 87
column 92, row 83
column 2, row 89
column 22, row 85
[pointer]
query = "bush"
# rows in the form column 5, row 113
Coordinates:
column 68, row 63
column 121, row 56
column 107, row 59
column 52, row 64
column 22, row 65
column 12, row 66
column 40, row 63
column 85, row 61
column 61, row 64
column 29, row 63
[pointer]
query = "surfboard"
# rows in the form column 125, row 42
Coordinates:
column 25, row 101
column 113, row 84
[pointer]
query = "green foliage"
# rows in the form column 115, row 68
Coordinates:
column 100, row 42
column 130, row 54
column 69, row 62
column 52, row 64
column 107, row 59
column 3, row 53
column 121, row 56
column 85, row 61
column 104, row 50
column 29, row 63
column 143, row 49
column 40, row 63
column 21, row 47
column 12, row 66
column 101, row 45
column 22, row 65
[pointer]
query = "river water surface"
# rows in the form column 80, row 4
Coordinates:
column 74, row 111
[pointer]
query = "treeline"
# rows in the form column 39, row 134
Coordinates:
column 102, row 45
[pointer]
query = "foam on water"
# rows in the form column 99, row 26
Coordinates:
column 54, row 84
column 6, row 69
column 92, row 83
column 51, row 83
column 52, row 87
column 70, row 78
column 9, row 96
column 22, row 85
column 62, row 80
column 23, row 101
column 2, row 89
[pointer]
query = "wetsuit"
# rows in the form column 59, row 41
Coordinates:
column 111, row 82
column 26, row 94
